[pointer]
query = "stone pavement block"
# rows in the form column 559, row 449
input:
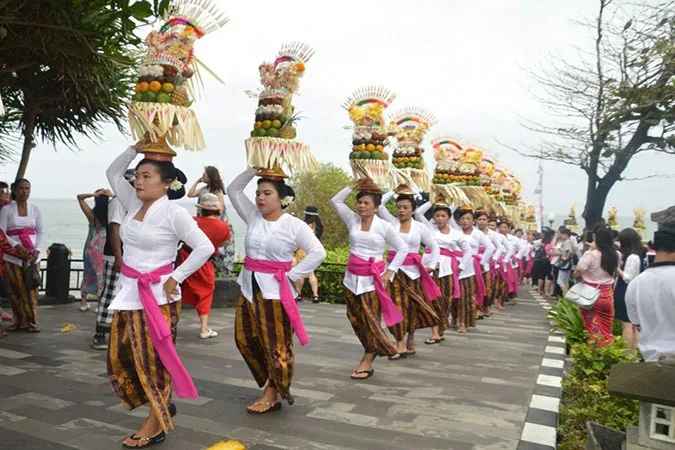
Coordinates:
column 42, row 401
column 6, row 353
column 11, row 371
column 42, row 430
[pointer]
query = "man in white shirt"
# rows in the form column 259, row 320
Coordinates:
column 650, row 298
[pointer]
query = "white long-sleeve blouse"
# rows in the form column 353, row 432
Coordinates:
column 368, row 244
column 11, row 220
column 493, row 236
column 272, row 241
column 419, row 234
column 153, row 242
column 631, row 269
column 453, row 240
column 478, row 239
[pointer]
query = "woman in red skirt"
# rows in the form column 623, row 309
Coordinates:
column 199, row 287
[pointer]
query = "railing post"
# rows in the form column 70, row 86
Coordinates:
column 58, row 273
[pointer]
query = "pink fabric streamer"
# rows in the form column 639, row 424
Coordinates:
column 481, row 290
column 24, row 235
column 454, row 263
column 530, row 263
column 371, row 268
column 504, row 271
column 511, row 278
column 280, row 269
column 431, row 290
column 159, row 330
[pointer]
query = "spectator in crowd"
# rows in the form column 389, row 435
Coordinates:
column 597, row 269
column 633, row 258
column 650, row 298
column 565, row 256
column 5, row 199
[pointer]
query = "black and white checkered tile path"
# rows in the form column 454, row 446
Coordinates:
column 539, row 432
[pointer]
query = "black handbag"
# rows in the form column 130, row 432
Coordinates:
column 31, row 277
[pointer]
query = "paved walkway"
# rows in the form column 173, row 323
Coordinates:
column 470, row 392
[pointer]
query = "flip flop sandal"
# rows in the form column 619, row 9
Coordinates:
column 432, row 341
column 146, row 441
column 399, row 355
column 271, row 407
column 369, row 373
column 33, row 329
column 3, row 334
column 315, row 299
column 412, row 352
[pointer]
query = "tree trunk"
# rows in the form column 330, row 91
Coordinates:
column 596, row 197
column 27, row 143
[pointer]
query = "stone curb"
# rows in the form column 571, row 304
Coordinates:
column 541, row 422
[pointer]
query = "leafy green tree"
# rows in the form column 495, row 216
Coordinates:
column 66, row 68
column 317, row 189
column 618, row 102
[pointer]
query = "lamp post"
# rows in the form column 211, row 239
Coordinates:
column 551, row 219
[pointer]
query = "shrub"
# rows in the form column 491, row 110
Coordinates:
column 585, row 395
column 567, row 319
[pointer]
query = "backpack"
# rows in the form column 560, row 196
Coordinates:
column 540, row 254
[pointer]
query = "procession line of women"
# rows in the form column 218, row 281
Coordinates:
column 409, row 291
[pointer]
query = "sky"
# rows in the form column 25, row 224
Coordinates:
column 464, row 61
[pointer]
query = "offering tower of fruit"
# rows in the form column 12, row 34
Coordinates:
column 272, row 142
column 639, row 222
column 571, row 221
column 612, row 222
column 368, row 158
column 447, row 154
column 160, row 106
column 411, row 124
column 510, row 196
column 529, row 217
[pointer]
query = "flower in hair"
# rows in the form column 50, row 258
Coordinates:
column 176, row 185
column 287, row 200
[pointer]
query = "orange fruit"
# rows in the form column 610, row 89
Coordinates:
column 300, row 66
column 155, row 86
column 142, row 86
column 257, row 125
column 168, row 88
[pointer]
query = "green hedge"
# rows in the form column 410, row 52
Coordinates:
column 586, row 398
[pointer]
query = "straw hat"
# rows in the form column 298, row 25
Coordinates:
column 209, row 202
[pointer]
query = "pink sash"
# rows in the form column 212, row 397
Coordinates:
column 159, row 330
column 530, row 262
column 371, row 268
column 280, row 269
column 511, row 280
column 454, row 263
column 504, row 270
column 24, row 235
column 431, row 290
column 481, row 290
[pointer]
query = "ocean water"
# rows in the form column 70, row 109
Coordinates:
column 65, row 223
